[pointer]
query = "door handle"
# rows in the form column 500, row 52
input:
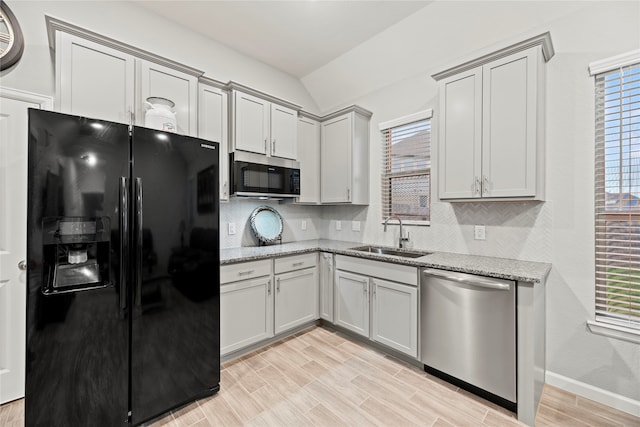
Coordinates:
column 22, row 265
column 124, row 239
column 138, row 272
column 468, row 279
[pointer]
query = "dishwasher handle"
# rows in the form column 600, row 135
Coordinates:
column 468, row 279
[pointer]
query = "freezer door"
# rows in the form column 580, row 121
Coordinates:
column 77, row 316
column 175, row 349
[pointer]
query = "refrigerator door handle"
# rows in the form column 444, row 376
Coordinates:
column 138, row 271
column 124, row 239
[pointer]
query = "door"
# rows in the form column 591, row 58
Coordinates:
column 251, row 123
column 336, row 173
column 509, row 126
column 246, row 313
column 326, row 286
column 309, row 157
column 213, row 125
column 296, row 299
column 77, row 315
column 93, row 80
column 459, row 149
column 175, row 342
column 181, row 88
column 395, row 316
column 352, row 302
column 13, row 250
column 284, row 132
column 478, row 347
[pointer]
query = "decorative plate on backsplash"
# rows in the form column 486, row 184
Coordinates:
column 266, row 224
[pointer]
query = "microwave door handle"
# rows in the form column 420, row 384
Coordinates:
column 124, row 240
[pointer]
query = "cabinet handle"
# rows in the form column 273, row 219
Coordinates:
column 265, row 146
column 278, row 284
column 269, row 287
column 244, row 273
column 476, row 185
column 295, row 264
column 273, row 147
column 224, row 189
column 348, row 194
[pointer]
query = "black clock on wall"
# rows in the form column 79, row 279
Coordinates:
column 11, row 40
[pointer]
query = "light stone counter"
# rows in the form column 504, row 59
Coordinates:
column 503, row 268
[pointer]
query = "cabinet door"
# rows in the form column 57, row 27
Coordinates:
column 212, row 125
column 284, row 132
column 164, row 82
column 326, row 286
column 509, row 126
column 251, row 123
column 246, row 315
column 296, row 299
column 351, row 304
column 336, row 140
column 309, row 158
column 460, row 143
column 395, row 316
column 93, row 80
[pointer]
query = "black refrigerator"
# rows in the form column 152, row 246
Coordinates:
column 123, row 289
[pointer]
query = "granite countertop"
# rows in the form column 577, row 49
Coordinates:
column 503, row 268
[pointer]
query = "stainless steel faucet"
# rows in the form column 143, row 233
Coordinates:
column 401, row 239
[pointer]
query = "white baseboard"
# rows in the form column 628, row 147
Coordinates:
column 605, row 397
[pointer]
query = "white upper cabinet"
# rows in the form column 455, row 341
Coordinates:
column 284, row 132
column 264, row 127
column 491, row 143
column 103, row 78
column 160, row 81
column 93, row 80
column 344, row 150
column 251, row 123
column 213, row 119
column 309, row 158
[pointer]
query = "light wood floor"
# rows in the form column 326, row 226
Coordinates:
column 320, row 378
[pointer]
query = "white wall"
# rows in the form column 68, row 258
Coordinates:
column 131, row 24
column 395, row 82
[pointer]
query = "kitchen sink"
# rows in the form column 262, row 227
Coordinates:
column 390, row 251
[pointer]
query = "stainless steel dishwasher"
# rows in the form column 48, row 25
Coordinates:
column 468, row 331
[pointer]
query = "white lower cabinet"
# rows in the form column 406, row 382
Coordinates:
column 246, row 304
column 383, row 310
column 245, row 313
column 326, row 286
column 296, row 298
column 395, row 316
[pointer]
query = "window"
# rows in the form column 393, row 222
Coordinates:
column 406, row 167
column 617, row 192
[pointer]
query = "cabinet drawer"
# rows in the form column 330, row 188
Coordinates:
column 295, row 262
column 384, row 270
column 244, row 270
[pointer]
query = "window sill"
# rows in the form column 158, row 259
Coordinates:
column 613, row 331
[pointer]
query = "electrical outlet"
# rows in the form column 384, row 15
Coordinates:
column 303, row 225
column 338, row 225
column 479, row 232
column 232, row 228
column 355, row 225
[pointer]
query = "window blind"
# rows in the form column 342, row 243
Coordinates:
column 617, row 196
column 406, row 170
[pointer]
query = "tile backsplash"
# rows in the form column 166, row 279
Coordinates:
column 519, row 230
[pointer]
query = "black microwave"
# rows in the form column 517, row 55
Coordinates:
column 254, row 175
